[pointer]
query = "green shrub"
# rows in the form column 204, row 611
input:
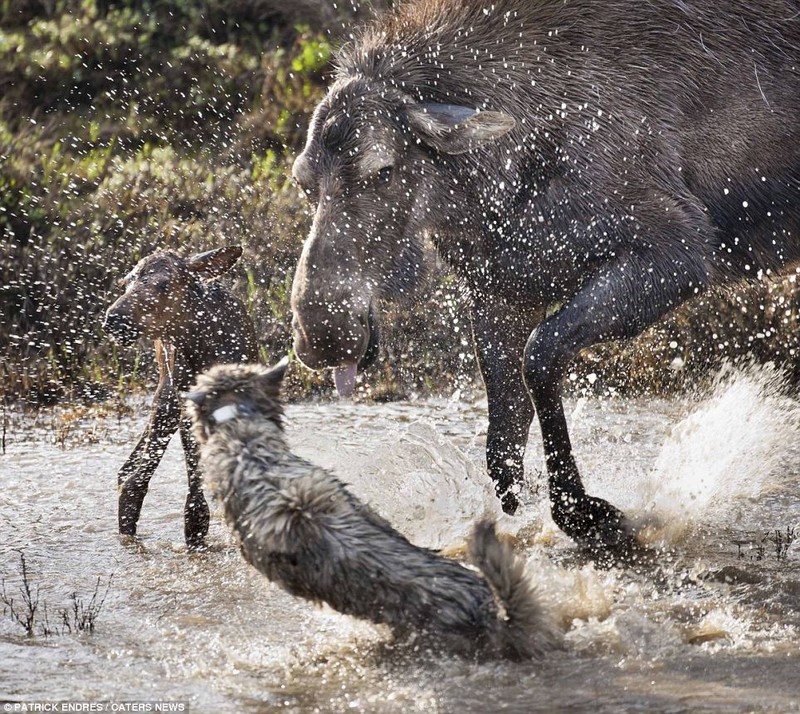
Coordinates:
column 129, row 125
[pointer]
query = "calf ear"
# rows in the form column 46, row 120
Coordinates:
column 215, row 262
column 453, row 129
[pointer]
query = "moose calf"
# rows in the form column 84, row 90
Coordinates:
column 194, row 324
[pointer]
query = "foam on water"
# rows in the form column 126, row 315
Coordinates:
column 732, row 447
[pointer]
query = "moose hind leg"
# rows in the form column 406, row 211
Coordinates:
column 196, row 515
column 618, row 302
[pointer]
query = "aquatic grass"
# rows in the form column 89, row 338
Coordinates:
column 758, row 544
column 32, row 613
column 81, row 616
column 4, row 427
column 24, row 616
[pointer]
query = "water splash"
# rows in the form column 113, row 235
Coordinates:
column 208, row 629
column 412, row 473
column 734, row 446
column 429, row 488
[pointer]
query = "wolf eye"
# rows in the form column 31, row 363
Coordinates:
column 384, row 175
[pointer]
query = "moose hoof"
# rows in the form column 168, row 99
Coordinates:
column 600, row 530
column 509, row 502
column 195, row 535
column 127, row 527
column 196, row 542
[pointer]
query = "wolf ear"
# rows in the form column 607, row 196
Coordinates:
column 453, row 129
column 274, row 375
column 214, row 263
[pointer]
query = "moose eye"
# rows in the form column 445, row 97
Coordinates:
column 308, row 191
column 384, row 175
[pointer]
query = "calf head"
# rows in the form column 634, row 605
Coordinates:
column 375, row 167
column 164, row 295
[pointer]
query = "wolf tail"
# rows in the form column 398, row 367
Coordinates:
column 525, row 631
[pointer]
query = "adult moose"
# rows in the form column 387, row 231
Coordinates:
column 615, row 158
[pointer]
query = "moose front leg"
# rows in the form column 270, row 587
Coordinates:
column 134, row 476
column 195, row 513
column 500, row 333
column 617, row 303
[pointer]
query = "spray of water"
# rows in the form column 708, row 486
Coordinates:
column 440, row 491
column 734, row 446
column 731, row 447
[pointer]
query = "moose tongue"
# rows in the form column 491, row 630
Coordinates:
column 345, row 380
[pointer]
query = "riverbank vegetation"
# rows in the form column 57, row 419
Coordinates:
column 131, row 125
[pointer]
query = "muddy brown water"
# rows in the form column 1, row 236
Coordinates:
column 715, row 627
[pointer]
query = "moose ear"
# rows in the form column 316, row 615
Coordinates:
column 214, row 263
column 274, row 375
column 453, row 129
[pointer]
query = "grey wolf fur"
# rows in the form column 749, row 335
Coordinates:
column 300, row 526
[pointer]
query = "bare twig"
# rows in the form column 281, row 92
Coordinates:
column 5, row 424
column 78, row 617
column 30, row 599
column 84, row 616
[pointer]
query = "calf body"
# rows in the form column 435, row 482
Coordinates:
column 194, row 325
column 612, row 158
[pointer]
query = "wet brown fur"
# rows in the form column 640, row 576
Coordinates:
column 612, row 158
column 193, row 324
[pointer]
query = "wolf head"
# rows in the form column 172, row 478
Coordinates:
column 233, row 391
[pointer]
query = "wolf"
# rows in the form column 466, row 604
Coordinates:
column 299, row 525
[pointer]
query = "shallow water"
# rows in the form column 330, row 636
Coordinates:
column 715, row 627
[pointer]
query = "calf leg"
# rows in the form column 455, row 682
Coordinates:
column 134, row 476
column 195, row 513
column 500, row 332
column 618, row 302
